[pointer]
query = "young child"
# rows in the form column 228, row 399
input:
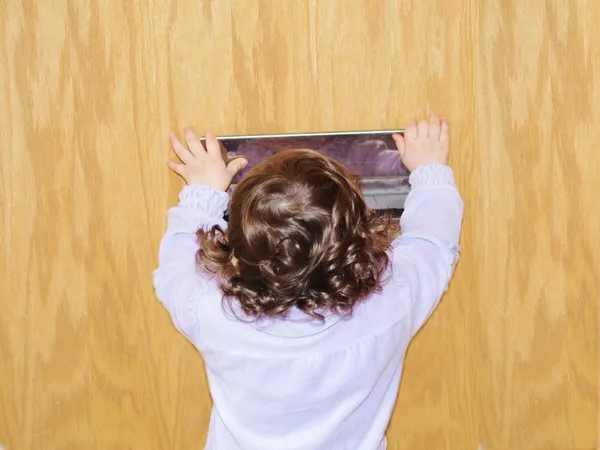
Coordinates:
column 302, row 306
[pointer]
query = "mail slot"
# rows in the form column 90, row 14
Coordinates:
column 372, row 155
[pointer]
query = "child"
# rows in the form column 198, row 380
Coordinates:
column 302, row 305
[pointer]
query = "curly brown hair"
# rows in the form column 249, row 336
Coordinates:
column 300, row 235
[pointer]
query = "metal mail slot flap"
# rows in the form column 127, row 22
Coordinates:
column 371, row 155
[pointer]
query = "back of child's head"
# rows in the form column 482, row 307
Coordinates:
column 300, row 235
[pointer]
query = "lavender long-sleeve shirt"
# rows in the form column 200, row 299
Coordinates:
column 300, row 383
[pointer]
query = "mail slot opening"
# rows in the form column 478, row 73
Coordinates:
column 372, row 155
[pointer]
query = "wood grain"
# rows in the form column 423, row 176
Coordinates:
column 538, row 106
column 89, row 91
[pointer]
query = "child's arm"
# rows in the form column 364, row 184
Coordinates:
column 425, row 254
column 201, row 205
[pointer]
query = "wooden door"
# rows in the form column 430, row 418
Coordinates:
column 89, row 91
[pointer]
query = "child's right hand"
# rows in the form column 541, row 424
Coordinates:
column 427, row 143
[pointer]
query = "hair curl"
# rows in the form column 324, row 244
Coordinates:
column 300, row 235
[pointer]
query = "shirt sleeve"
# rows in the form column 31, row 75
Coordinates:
column 200, row 207
column 425, row 254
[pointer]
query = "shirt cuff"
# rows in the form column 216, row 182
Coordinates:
column 205, row 198
column 432, row 175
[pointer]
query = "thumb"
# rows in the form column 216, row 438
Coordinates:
column 399, row 139
column 236, row 165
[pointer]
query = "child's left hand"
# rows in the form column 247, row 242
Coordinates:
column 203, row 166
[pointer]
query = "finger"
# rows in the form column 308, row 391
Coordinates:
column 434, row 127
column 399, row 139
column 411, row 131
column 236, row 165
column 423, row 129
column 176, row 167
column 445, row 132
column 212, row 144
column 182, row 152
column 224, row 155
column 193, row 142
